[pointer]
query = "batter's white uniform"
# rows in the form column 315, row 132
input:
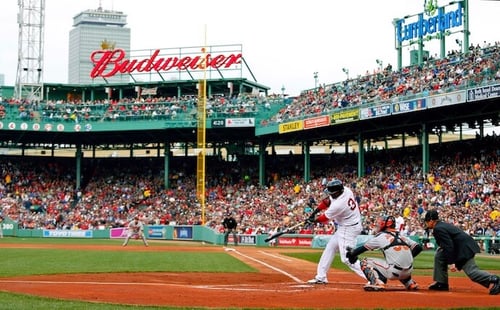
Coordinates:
column 400, row 223
column 135, row 229
column 345, row 212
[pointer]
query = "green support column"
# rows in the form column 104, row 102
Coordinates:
column 307, row 161
column 425, row 150
column 78, row 165
column 166, row 166
column 361, row 156
column 262, row 163
column 465, row 44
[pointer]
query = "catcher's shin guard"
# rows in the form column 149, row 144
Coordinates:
column 371, row 273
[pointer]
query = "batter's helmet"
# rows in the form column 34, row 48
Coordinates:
column 334, row 188
column 386, row 222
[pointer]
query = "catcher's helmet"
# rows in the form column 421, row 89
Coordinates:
column 334, row 188
column 386, row 222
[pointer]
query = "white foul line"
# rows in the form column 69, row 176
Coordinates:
column 276, row 256
column 271, row 267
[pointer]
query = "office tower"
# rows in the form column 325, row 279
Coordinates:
column 95, row 30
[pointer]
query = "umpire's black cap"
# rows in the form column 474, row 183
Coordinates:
column 431, row 215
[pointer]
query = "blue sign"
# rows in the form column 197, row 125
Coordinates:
column 408, row 106
column 156, row 232
column 59, row 233
column 440, row 23
column 376, row 111
column 482, row 93
column 183, row 232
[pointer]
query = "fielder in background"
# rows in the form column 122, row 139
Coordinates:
column 397, row 264
column 230, row 225
column 340, row 206
column 1, row 226
column 135, row 230
column 457, row 249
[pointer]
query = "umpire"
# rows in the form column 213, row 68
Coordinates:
column 230, row 225
column 457, row 249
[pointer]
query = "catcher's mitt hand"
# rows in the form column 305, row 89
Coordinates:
column 350, row 256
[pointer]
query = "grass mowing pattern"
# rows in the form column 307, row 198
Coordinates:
column 57, row 261
column 53, row 261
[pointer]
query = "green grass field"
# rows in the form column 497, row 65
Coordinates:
column 30, row 261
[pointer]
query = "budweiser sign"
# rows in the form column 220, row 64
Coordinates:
column 107, row 63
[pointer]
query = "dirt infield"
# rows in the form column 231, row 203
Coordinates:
column 279, row 284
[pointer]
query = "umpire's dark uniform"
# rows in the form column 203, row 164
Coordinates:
column 230, row 225
column 456, row 247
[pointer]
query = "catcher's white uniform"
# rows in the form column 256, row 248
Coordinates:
column 135, row 229
column 398, row 262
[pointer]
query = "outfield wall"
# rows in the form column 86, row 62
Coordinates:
column 204, row 234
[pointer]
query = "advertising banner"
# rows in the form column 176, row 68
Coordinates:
column 120, row 232
column 376, row 111
column 291, row 126
column 446, row 99
column 316, row 122
column 408, row 106
column 294, row 241
column 183, row 232
column 156, row 232
column 67, row 233
column 245, row 239
column 240, row 122
column 482, row 93
column 345, row 116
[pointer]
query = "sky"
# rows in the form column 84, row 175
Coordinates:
column 284, row 41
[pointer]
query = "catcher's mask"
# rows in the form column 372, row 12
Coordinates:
column 386, row 222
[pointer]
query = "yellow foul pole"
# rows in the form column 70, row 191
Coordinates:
column 201, row 134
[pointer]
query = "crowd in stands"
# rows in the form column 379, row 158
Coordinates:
column 481, row 65
column 40, row 193
column 463, row 184
column 143, row 108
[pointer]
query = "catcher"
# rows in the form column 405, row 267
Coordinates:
column 136, row 230
column 398, row 251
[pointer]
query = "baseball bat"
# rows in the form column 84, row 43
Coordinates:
column 284, row 231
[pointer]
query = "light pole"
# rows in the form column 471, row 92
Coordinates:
column 283, row 91
column 380, row 63
column 315, row 79
column 346, row 71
